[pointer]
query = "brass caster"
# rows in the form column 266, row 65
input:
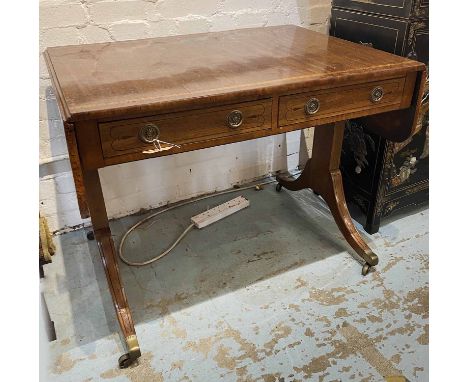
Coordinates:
column 125, row 361
column 134, row 352
column 278, row 187
column 90, row 235
column 365, row 269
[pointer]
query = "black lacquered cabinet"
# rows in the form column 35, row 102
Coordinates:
column 381, row 177
column 405, row 9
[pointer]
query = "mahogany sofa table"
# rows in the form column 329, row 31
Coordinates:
column 132, row 100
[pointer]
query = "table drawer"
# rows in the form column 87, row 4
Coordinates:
column 319, row 104
column 132, row 135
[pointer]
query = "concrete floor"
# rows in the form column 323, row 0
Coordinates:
column 268, row 294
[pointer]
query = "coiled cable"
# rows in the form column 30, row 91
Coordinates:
column 182, row 235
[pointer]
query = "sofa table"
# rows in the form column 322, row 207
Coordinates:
column 132, row 100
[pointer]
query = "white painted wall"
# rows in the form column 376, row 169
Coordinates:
column 151, row 183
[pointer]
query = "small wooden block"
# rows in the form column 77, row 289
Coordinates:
column 219, row 212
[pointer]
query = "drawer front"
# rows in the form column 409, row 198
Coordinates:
column 128, row 136
column 315, row 105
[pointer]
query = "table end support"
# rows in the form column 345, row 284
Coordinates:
column 322, row 174
column 103, row 237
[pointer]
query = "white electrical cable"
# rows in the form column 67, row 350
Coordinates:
column 177, row 241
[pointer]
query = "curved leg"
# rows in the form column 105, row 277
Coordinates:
column 322, row 174
column 327, row 181
column 298, row 184
column 105, row 243
column 334, row 196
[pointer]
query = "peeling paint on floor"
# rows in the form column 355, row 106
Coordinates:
column 270, row 293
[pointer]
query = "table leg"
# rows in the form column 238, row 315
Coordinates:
column 322, row 174
column 102, row 234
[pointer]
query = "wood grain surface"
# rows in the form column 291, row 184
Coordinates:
column 119, row 79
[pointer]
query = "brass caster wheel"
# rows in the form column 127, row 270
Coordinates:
column 125, row 361
column 90, row 235
column 365, row 269
column 278, row 187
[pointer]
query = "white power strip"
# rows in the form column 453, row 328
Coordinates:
column 219, row 212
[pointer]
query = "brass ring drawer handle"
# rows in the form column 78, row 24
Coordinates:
column 377, row 94
column 312, row 106
column 149, row 133
column 235, row 119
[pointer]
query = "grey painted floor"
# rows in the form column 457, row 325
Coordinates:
column 268, row 294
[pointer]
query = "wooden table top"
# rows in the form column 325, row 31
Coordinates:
column 132, row 77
